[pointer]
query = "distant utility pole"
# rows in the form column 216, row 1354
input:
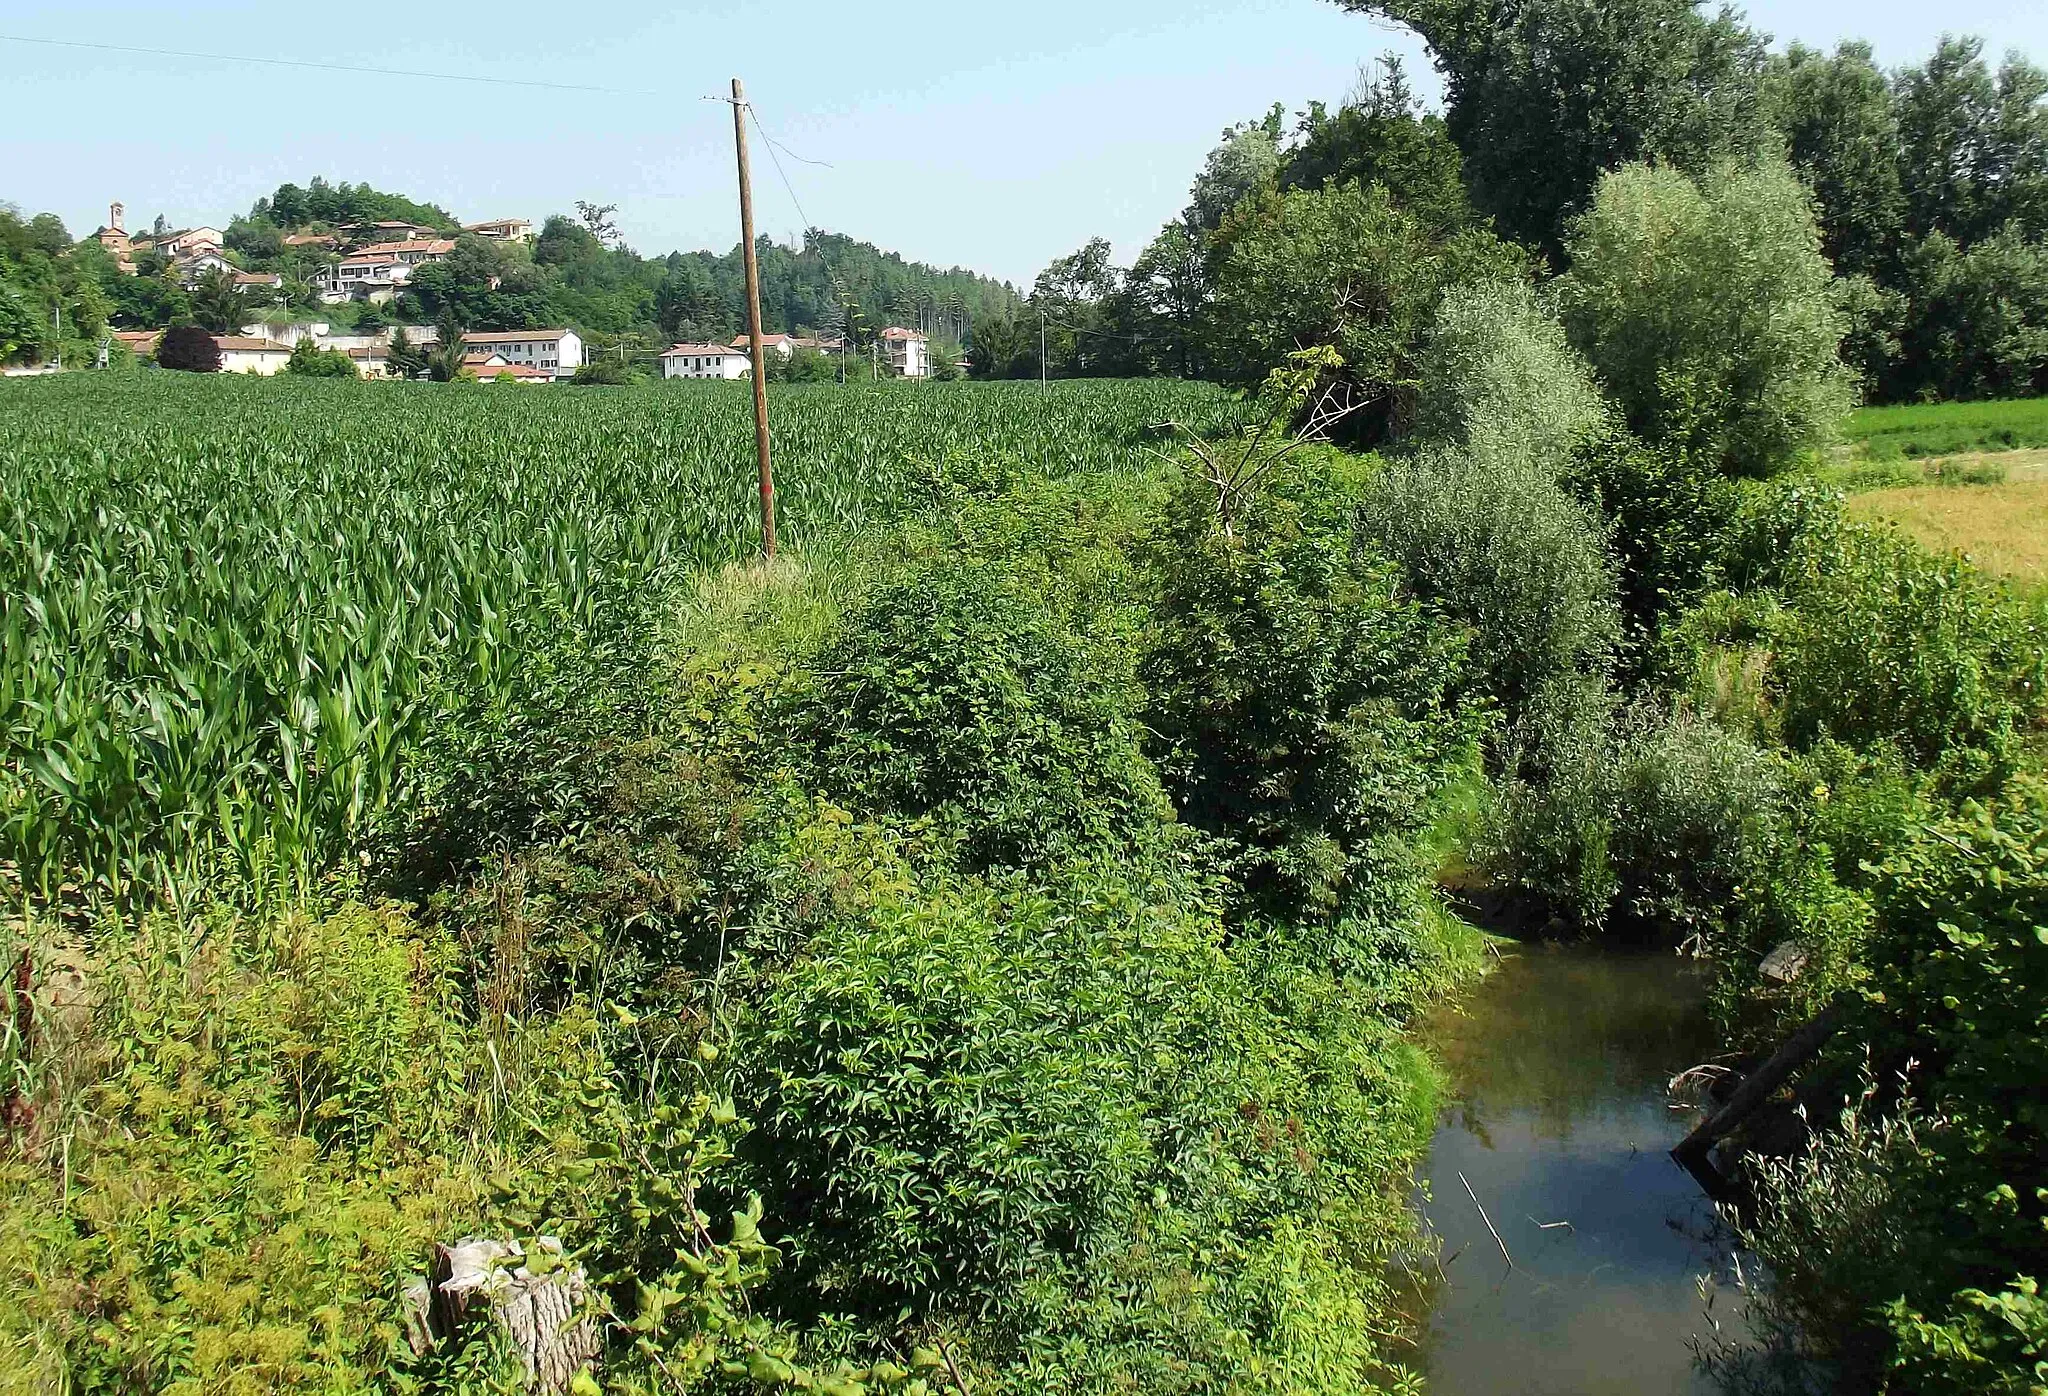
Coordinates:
column 739, row 135
column 1041, row 349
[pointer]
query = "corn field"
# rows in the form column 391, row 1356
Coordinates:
column 226, row 605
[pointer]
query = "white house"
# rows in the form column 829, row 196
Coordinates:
column 704, row 361
column 360, row 276
column 199, row 262
column 906, row 353
column 773, row 343
column 187, row 241
column 560, row 352
column 376, row 272
column 241, row 354
column 502, row 229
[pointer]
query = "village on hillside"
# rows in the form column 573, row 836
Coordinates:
column 371, row 263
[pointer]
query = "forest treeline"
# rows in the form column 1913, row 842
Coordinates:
column 1930, row 185
column 577, row 272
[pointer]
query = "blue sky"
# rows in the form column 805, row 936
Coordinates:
column 996, row 137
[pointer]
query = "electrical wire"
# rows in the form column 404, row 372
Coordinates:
column 784, row 177
column 324, row 67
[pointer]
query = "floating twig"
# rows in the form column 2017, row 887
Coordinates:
column 1552, row 1226
column 1488, row 1220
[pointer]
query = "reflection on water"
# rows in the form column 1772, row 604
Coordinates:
column 1557, row 1113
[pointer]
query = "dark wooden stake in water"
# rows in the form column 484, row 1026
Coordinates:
column 1756, row 1088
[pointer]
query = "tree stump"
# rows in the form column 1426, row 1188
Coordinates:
column 543, row 1314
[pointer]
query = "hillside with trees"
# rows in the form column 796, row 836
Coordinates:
column 577, row 272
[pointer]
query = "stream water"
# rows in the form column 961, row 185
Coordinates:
column 1556, row 1112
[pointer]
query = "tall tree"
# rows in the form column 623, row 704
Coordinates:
column 217, row 302
column 1709, row 312
column 1841, row 135
column 1974, row 147
column 188, row 349
column 1339, row 266
column 1245, row 163
column 1545, row 95
column 1382, row 136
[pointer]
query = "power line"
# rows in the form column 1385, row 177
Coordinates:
column 777, row 161
column 325, row 67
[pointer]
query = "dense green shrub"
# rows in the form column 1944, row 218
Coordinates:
column 1499, row 380
column 1904, row 1242
column 1976, row 322
column 1701, row 816
column 951, row 1108
column 309, row 360
column 1063, row 1119
column 270, row 1124
column 961, row 694
column 1670, row 524
column 1507, row 553
column 1959, row 972
column 1882, row 641
column 1301, row 709
column 1475, row 512
column 1666, row 297
column 604, row 373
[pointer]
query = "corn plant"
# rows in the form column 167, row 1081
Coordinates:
column 229, row 608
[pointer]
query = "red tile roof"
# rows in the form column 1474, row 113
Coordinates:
column 226, row 342
column 723, row 350
column 745, row 341
column 436, row 247
column 491, row 370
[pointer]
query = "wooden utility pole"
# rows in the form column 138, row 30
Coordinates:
column 739, row 135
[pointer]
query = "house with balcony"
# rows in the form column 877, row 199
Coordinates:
column 411, row 252
column 557, row 353
column 361, row 277
column 502, row 229
column 905, row 353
